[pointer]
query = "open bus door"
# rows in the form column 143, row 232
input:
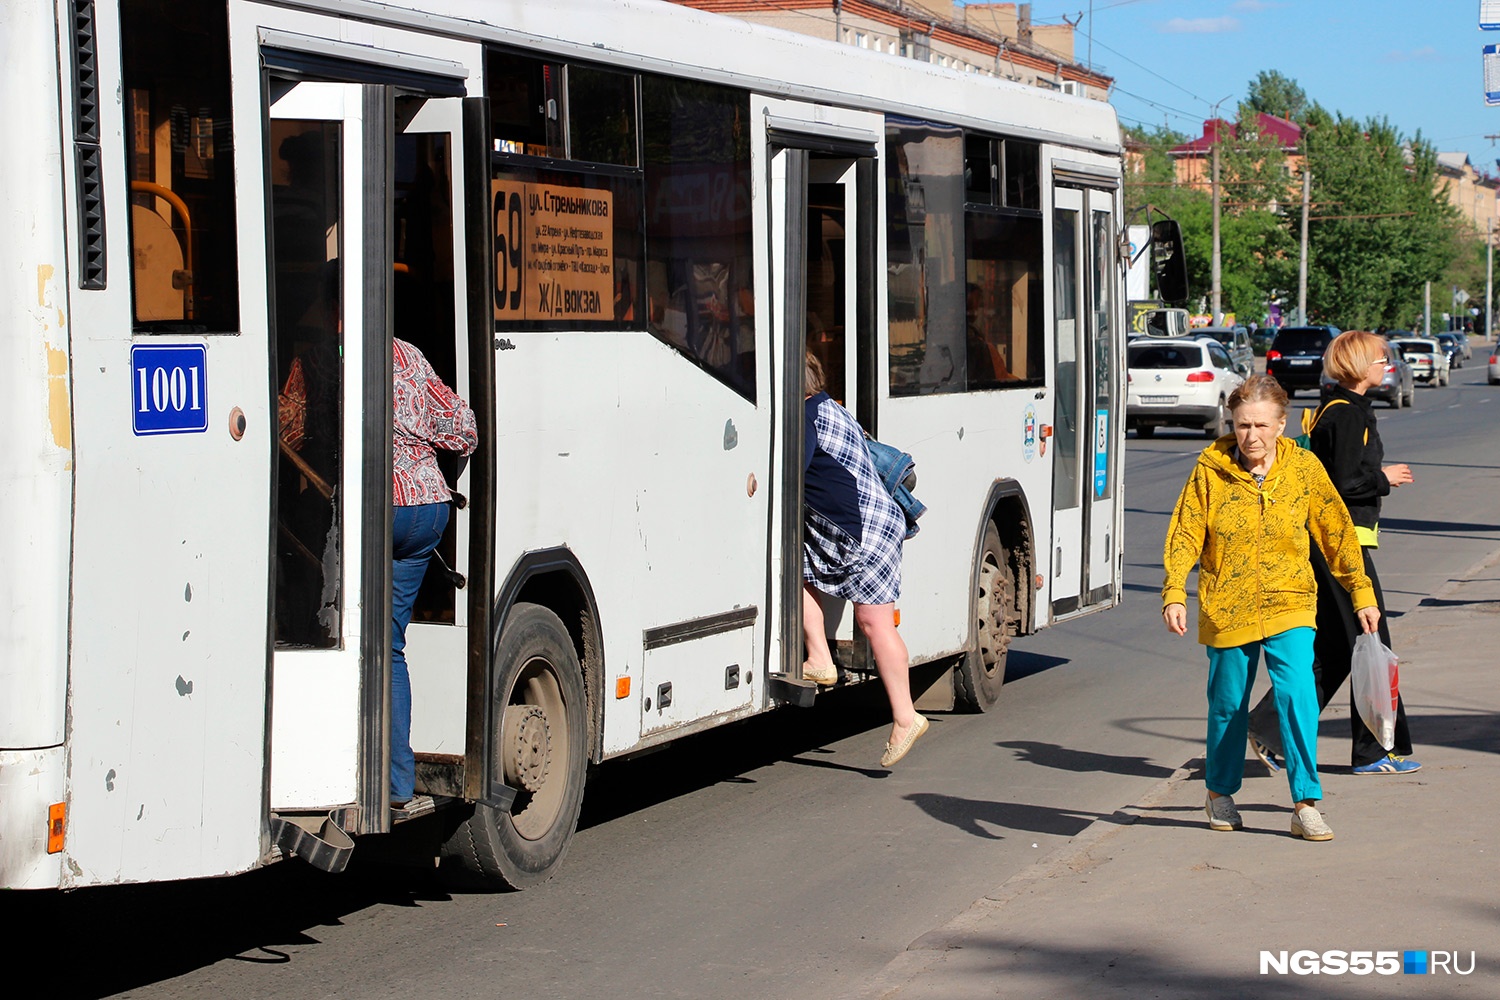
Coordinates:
column 824, row 197
column 368, row 241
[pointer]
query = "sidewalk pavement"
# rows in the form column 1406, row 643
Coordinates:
column 1150, row 903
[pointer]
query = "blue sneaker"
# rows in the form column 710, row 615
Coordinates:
column 1389, row 764
column 1267, row 755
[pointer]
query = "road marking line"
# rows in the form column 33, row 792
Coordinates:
column 1454, row 406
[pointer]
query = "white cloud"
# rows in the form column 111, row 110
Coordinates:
column 1199, row 25
column 1424, row 54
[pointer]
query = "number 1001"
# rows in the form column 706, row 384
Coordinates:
column 175, row 388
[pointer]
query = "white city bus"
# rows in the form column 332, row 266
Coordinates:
column 615, row 229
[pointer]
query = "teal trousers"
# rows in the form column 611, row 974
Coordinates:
column 1231, row 673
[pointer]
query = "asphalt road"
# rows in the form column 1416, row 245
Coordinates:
column 774, row 859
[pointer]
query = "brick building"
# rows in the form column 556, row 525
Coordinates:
column 994, row 39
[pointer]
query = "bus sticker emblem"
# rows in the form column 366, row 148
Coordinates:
column 1028, row 437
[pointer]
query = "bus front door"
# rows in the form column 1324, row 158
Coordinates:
column 369, row 242
column 331, row 349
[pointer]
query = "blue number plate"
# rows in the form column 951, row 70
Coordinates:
column 169, row 388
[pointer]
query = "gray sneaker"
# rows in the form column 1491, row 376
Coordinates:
column 1222, row 815
column 1309, row 824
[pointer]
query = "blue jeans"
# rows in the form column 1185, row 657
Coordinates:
column 1231, row 672
column 417, row 531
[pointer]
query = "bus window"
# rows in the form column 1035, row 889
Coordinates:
column 309, row 352
column 525, row 104
column 824, row 282
column 699, row 252
column 927, row 296
column 1023, row 171
column 179, row 162
column 1004, row 322
column 601, row 116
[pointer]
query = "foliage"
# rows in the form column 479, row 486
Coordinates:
column 1378, row 228
column 1254, row 243
column 1276, row 95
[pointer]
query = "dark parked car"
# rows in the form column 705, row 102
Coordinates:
column 1295, row 358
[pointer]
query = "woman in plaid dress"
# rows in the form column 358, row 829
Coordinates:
column 851, row 547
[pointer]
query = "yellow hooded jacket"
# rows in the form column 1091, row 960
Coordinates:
column 1251, row 544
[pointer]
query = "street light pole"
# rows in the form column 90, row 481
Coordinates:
column 1218, row 259
column 1489, row 280
column 1302, row 265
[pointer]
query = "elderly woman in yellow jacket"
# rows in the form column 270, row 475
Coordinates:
column 1246, row 515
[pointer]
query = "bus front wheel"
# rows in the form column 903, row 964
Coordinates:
column 538, row 747
column 981, row 672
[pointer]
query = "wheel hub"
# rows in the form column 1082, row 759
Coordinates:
column 526, row 752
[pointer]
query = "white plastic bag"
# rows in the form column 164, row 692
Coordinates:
column 1376, row 686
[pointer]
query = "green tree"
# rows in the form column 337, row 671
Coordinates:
column 1378, row 229
column 1276, row 95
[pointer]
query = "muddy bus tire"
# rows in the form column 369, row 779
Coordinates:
column 539, row 748
column 981, row 672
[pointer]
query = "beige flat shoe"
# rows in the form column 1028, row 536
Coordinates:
column 1309, row 824
column 894, row 753
column 824, row 677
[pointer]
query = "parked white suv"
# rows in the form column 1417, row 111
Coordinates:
column 1178, row 382
column 1428, row 360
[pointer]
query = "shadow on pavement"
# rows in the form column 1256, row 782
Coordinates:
column 1065, row 759
column 126, row 937
column 1021, row 664
column 967, row 815
column 1141, row 964
column 1411, row 524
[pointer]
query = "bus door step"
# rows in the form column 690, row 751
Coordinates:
column 327, row 850
column 797, row 691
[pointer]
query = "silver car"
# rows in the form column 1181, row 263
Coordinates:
column 1178, row 382
column 1397, row 388
column 1236, row 340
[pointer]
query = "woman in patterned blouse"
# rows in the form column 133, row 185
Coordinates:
column 428, row 415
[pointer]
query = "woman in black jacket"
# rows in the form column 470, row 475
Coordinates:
column 1345, row 440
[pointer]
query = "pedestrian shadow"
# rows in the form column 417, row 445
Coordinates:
column 1477, row 731
column 1485, row 603
column 1067, row 759
column 967, row 815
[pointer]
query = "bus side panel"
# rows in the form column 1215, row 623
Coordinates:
column 36, row 464
column 639, row 462
column 166, row 740
column 31, row 782
column 967, row 449
column 36, row 478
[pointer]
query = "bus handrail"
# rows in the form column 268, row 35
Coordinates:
column 180, row 206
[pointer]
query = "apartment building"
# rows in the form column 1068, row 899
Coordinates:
column 992, row 39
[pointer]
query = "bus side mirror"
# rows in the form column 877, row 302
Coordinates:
column 1169, row 260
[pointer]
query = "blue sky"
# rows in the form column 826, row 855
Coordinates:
column 1417, row 64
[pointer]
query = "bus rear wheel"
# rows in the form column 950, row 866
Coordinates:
column 981, row 672
column 538, row 747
